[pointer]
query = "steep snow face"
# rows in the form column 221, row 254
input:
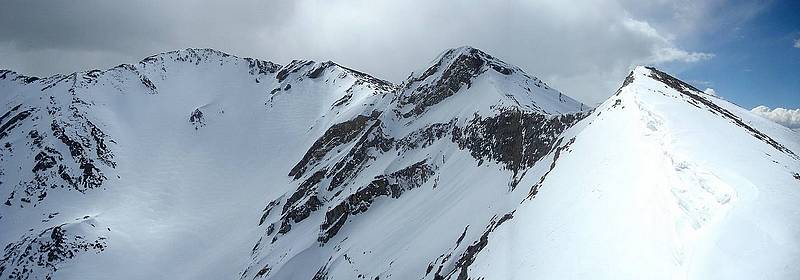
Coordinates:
column 164, row 167
column 196, row 164
column 372, row 197
column 168, row 160
column 659, row 182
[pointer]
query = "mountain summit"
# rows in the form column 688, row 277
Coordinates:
column 495, row 84
column 196, row 164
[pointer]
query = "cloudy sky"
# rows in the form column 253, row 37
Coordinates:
column 747, row 51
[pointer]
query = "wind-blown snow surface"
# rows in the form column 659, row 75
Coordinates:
column 196, row 164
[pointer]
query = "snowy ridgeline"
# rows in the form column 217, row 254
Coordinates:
column 196, row 164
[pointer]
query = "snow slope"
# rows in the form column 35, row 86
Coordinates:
column 688, row 186
column 178, row 187
column 196, row 164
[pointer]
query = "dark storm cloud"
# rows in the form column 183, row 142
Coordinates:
column 47, row 37
column 130, row 25
column 582, row 47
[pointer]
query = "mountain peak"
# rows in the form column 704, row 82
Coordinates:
column 465, row 48
column 468, row 164
column 645, row 82
column 208, row 55
column 498, row 85
column 651, row 77
column 669, row 80
column 196, row 52
column 455, row 53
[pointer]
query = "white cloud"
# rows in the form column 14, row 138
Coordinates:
column 710, row 91
column 797, row 43
column 787, row 117
column 663, row 50
column 669, row 54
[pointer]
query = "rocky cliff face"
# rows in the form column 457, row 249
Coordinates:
column 203, row 165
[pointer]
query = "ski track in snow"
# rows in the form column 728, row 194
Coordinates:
column 700, row 196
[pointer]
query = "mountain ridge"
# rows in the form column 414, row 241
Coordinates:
column 203, row 169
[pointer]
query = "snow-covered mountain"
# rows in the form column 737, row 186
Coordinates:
column 196, row 164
